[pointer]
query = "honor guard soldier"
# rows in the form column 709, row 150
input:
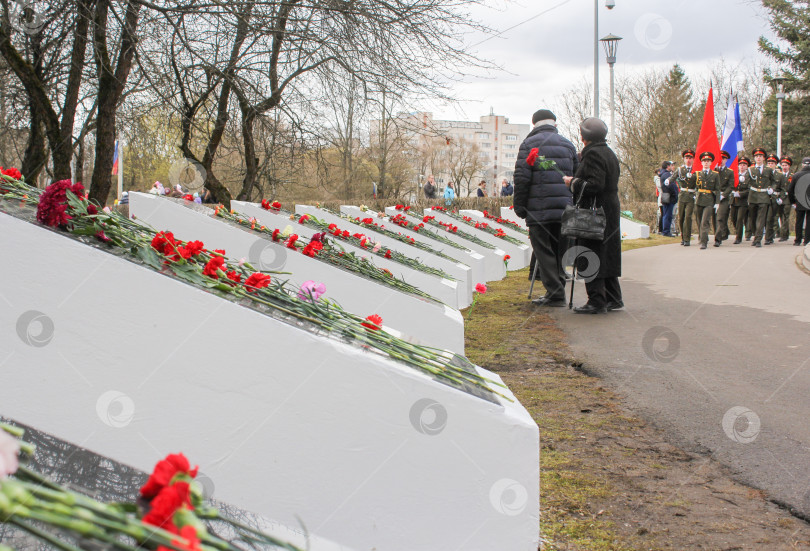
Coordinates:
column 686, row 195
column 779, row 187
column 784, row 206
column 759, row 179
column 726, row 187
column 706, row 183
column 738, row 210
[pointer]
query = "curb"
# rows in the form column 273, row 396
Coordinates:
column 803, row 260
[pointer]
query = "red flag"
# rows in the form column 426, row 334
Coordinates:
column 707, row 141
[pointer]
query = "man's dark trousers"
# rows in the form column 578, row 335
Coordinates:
column 549, row 248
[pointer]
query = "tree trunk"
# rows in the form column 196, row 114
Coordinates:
column 35, row 154
column 110, row 86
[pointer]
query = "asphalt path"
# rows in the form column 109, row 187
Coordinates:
column 714, row 348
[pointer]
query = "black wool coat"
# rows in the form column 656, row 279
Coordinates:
column 597, row 178
column 541, row 195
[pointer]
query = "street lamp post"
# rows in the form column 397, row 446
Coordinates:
column 609, row 4
column 611, row 44
column 779, row 82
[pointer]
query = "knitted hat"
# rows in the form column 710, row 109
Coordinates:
column 593, row 129
column 543, row 115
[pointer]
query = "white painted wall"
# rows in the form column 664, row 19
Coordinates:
column 466, row 257
column 456, row 293
column 420, row 320
column 299, row 428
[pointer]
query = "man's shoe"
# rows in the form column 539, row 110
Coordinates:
column 797, row 243
column 769, row 242
column 686, row 243
column 717, row 243
column 614, row 305
column 783, row 239
column 703, row 246
column 748, row 238
column 683, row 243
column 757, row 244
column 590, row 309
column 545, row 301
column 737, row 241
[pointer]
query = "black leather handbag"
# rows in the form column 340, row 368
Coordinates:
column 582, row 222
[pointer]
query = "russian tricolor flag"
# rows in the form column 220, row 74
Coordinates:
column 115, row 159
column 732, row 136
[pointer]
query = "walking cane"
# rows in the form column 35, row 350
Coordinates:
column 573, row 278
column 534, row 276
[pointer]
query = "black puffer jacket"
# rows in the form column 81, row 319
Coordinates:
column 541, row 195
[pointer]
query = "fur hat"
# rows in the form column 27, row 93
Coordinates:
column 593, row 129
column 543, row 115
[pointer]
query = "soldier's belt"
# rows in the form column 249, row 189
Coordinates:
column 758, row 189
column 705, row 191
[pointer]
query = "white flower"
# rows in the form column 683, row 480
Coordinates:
column 9, row 448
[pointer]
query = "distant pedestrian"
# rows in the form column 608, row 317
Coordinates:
column 482, row 189
column 800, row 203
column 657, row 184
column 506, row 188
column 597, row 179
column 449, row 194
column 430, row 188
column 669, row 198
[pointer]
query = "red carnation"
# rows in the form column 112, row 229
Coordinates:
column 276, row 205
column 388, row 253
column 166, row 504
column 213, row 266
column 290, row 243
column 303, row 219
column 13, row 173
column 257, row 280
column 164, row 471
column 532, row 157
column 233, row 276
column 52, row 208
column 481, row 288
column 346, row 233
column 192, row 248
column 164, row 243
column 188, row 197
column 102, row 237
column 333, row 229
column 275, row 235
column 373, row 322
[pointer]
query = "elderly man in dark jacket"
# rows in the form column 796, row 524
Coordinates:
column 541, row 197
column 597, row 180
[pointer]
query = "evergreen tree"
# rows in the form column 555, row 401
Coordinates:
column 790, row 22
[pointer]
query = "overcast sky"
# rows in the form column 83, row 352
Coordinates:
column 547, row 45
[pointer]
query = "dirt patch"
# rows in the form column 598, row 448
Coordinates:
column 610, row 481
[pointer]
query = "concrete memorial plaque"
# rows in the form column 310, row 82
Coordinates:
column 291, row 423
column 456, row 292
column 509, row 213
column 418, row 319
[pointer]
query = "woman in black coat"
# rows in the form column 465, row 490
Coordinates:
column 597, row 179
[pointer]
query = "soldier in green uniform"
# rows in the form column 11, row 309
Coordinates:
column 779, row 188
column 759, row 179
column 725, row 187
column 706, row 182
column 686, row 195
column 738, row 210
column 784, row 205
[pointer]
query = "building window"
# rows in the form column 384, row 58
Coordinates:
column 510, row 146
column 510, row 138
column 482, row 135
column 510, row 155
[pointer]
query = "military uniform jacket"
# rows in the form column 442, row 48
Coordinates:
column 742, row 189
column 726, row 183
column 780, row 184
column 683, row 177
column 758, row 184
column 707, row 184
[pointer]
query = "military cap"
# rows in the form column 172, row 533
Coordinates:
column 787, row 160
column 724, row 153
column 745, row 160
column 806, row 161
column 707, row 155
column 759, row 151
column 772, row 159
column 688, row 153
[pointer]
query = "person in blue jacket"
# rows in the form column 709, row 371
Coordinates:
column 449, row 194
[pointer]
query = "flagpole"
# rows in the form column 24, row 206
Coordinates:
column 120, row 168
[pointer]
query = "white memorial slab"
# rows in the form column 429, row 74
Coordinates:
column 520, row 253
column 509, row 214
column 494, row 270
column 633, row 230
column 456, row 293
column 300, row 428
column 510, row 230
column 420, row 320
column 467, row 257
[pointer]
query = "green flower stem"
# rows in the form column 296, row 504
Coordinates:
column 43, row 535
column 213, row 514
